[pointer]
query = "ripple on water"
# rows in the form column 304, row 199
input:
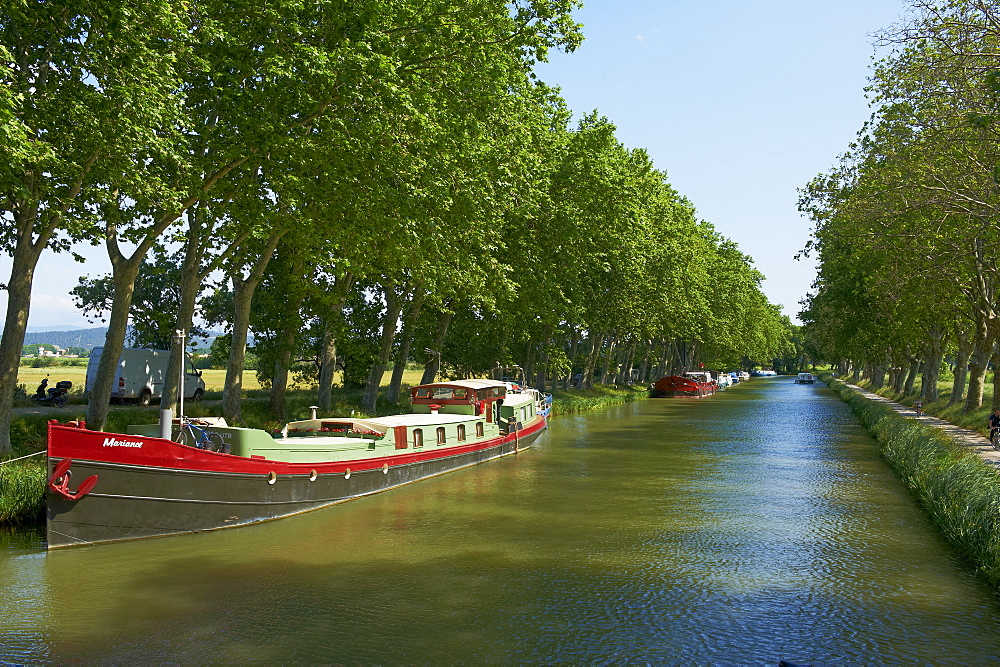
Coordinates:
column 750, row 527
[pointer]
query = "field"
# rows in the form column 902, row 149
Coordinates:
column 31, row 377
column 214, row 379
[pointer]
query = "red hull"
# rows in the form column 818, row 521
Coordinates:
column 680, row 386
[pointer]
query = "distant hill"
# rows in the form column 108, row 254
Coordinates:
column 90, row 338
column 87, row 338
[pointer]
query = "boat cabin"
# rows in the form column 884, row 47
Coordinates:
column 459, row 397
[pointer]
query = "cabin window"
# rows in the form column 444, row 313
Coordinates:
column 479, row 429
column 461, row 432
column 460, row 393
column 423, row 393
column 440, row 435
column 443, row 393
column 418, row 438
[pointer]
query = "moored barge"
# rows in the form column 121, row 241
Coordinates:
column 693, row 384
column 106, row 487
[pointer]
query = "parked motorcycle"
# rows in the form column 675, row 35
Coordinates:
column 55, row 396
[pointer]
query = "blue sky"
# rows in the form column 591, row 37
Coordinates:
column 741, row 103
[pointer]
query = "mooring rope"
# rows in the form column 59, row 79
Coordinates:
column 28, row 456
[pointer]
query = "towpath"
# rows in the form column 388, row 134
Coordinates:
column 962, row 436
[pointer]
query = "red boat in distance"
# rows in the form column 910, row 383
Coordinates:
column 693, row 384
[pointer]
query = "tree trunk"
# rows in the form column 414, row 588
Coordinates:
column 124, row 274
column 398, row 368
column 936, row 342
column 644, row 367
column 582, row 382
column 609, row 353
column 572, row 356
column 328, row 348
column 189, row 288
column 981, row 351
column 995, row 362
column 595, row 343
column 393, row 306
column 243, row 289
column 285, row 339
column 911, row 375
column 878, row 377
column 327, row 366
column 16, row 323
column 961, row 368
column 432, row 367
column 541, row 380
column 286, row 342
column 193, row 274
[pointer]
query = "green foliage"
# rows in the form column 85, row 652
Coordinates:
column 403, row 147
column 906, row 224
column 220, row 350
column 22, row 491
column 155, row 303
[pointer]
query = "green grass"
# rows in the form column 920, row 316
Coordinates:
column 958, row 490
column 575, row 400
column 22, row 483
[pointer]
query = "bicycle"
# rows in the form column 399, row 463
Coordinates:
column 195, row 436
column 995, row 437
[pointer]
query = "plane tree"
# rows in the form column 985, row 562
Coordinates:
column 86, row 106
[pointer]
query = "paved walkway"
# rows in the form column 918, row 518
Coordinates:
column 962, row 436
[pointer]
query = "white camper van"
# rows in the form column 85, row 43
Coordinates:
column 141, row 374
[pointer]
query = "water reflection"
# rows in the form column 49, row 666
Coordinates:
column 749, row 527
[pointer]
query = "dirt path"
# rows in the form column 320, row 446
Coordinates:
column 962, row 436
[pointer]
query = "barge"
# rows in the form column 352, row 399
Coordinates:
column 107, row 487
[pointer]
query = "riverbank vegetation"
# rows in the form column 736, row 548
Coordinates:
column 353, row 183
column 906, row 226
column 959, row 491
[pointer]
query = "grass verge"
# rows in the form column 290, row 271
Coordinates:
column 578, row 400
column 959, row 491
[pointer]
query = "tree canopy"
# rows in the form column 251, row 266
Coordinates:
column 373, row 182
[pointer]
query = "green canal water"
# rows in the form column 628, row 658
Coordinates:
column 750, row 527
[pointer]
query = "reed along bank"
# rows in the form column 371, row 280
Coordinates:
column 959, row 491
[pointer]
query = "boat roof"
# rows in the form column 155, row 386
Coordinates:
column 383, row 424
column 477, row 383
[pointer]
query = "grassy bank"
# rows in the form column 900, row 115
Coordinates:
column 958, row 490
column 22, row 483
column 576, row 400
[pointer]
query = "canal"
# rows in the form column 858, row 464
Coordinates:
column 750, row 527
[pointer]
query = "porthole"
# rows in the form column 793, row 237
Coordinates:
column 272, row 477
column 313, row 475
column 347, row 474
